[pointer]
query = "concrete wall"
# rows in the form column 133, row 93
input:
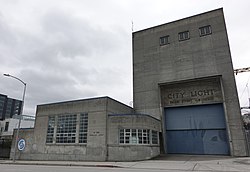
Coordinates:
column 197, row 57
column 126, row 152
column 115, row 107
column 192, row 92
column 28, row 152
column 96, row 147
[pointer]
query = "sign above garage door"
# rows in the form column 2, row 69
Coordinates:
column 199, row 91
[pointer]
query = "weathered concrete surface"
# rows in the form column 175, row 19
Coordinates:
column 131, row 152
column 96, row 147
column 192, row 59
column 102, row 144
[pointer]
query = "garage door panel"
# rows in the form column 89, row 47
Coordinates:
column 181, row 142
column 200, row 117
column 199, row 129
column 198, row 142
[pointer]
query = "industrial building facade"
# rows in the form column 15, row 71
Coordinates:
column 96, row 129
column 183, row 75
column 185, row 102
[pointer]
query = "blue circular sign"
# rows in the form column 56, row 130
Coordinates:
column 21, row 144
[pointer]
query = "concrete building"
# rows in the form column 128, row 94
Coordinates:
column 185, row 102
column 99, row 129
column 7, row 128
column 183, row 75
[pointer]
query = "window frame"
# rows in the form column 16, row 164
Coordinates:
column 66, row 128
column 154, row 137
column 182, row 35
column 166, row 40
column 83, row 128
column 50, row 129
column 136, row 136
column 204, row 28
column 70, row 131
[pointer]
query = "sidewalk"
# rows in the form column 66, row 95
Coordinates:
column 173, row 162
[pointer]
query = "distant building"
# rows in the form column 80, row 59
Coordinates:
column 7, row 126
column 246, row 120
column 9, row 107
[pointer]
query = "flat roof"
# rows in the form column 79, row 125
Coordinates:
column 218, row 9
column 134, row 114
column 86, row 99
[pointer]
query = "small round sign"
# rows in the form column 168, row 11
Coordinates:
column 21, row 144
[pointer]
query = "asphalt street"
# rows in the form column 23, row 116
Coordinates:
column 37, row 168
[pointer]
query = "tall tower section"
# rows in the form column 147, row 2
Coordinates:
column 183, row 75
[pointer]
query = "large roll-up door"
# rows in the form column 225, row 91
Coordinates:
column 197, row 129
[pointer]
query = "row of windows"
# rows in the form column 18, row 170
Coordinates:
column 63, row 129
column 205, row 30
column 138, row 136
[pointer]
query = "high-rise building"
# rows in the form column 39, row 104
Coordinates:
column 9, row 107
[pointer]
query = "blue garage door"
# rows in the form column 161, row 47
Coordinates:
column 196, row 130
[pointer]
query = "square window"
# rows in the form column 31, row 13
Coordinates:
column 205, row 30
column 164, row 40
column 184, row 36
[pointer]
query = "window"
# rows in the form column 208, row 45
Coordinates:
column 183, row 36
column 154, row 137
column 205, row 30
column 83, row 131
column 135, row 136
column 66, row 129
column 50, row 131
column 6, row 126
column 164, row 40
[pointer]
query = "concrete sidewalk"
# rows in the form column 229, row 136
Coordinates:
column 175, row 162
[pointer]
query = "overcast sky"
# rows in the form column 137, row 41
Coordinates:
column 74, row 49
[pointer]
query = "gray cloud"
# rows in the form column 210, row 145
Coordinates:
column 60, row 62
column 68, row 50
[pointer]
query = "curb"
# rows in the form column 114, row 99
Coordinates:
column 67, row 164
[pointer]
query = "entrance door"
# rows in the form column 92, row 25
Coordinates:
column 199, row 129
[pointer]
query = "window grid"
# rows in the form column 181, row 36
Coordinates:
column 183, row 36
column 164, row 40
column 205, row 30
column 154, row 137
column 83, row 131
column 134, row 136
column 50, row 131
column 66, row 129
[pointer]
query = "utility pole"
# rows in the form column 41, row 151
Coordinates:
column 20, row 116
